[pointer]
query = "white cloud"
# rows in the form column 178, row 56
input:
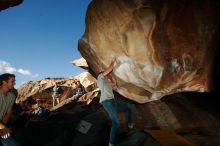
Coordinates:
column 35, row 75
column 24, row 72
column 7, row 67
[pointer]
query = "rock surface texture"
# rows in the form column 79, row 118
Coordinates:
column 162, row 47
column 80, row 63
column 42, row 90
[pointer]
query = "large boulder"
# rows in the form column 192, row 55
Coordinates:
column 80, row 63
column 37, row 88
column 162, row 47
column 42, row 90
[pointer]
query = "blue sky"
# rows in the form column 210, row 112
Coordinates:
column 39, row 38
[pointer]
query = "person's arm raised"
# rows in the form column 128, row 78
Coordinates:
column 110, row 67
column 112, row 80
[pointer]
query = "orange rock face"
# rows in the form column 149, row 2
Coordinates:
column 162, row 47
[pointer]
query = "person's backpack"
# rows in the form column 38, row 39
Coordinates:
column 41, row 111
